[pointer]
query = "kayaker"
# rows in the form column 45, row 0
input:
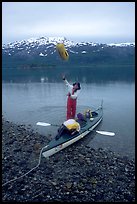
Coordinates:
column 72, row 95
column 69, row 127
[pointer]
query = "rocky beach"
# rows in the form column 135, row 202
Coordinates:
column 78, row 173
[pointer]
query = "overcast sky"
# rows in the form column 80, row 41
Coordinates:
column 102, row 22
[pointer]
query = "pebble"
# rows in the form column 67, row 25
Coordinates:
column 78, row 173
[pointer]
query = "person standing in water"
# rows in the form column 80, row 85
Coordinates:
column 73, row 92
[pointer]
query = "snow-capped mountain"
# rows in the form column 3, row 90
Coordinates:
column 37, row 58
column 46, row 46
column 54, row 40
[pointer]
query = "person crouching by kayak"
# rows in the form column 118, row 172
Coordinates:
column 69, row 127
column 73, row 93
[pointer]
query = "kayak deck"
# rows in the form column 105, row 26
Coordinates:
column 65, row 140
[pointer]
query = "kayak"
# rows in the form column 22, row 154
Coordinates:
column 87, row 126
column 66, row 140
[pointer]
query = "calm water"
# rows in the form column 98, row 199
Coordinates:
column 33, row 102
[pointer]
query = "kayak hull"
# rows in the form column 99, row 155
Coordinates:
column 66, row 140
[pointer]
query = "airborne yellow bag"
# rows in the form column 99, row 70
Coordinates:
column 62, row 51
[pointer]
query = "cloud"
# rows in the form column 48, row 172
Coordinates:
column 22, row 19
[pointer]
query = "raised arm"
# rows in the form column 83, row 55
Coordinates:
column 67, row 83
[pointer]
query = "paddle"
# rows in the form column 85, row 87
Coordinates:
column 98, row 131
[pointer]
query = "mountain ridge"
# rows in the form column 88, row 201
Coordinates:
column 40, row 53
column 46, row 47
column 55, row 40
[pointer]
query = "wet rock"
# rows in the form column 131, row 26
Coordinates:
column 78, row 173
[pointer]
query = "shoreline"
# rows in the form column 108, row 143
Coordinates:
column 77, row 173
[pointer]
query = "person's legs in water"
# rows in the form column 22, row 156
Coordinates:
column 73, row 113
column 69, row 108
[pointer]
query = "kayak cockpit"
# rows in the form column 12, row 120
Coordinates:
column 81, row 119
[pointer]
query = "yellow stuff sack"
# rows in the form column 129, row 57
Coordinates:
column 88, row 113
column 62, row 51
column 71, row 124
